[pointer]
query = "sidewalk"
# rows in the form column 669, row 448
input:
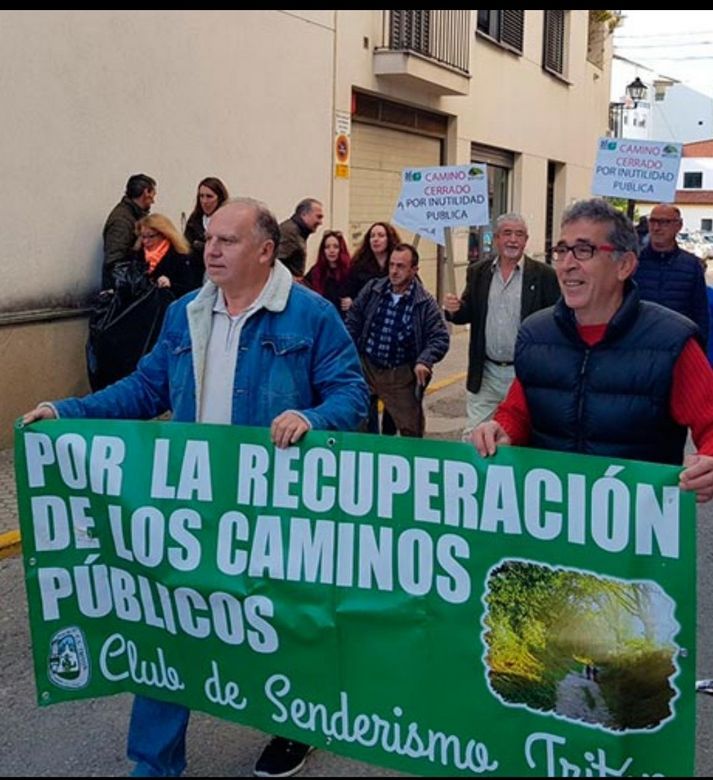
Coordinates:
column 444, row 405
column 8, row 504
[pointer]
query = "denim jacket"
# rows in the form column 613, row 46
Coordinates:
column 293, row 354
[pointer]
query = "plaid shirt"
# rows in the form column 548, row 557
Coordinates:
column 390, row 340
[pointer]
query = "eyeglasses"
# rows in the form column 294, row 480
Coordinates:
column 657, row 221
column 581, row 252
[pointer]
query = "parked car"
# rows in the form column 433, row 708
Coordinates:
column 704, row 245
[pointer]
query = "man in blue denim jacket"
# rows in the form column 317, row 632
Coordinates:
column 249, row 348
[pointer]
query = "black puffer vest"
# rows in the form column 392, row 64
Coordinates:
column 611, row 399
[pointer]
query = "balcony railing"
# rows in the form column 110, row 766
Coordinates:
column 442, row 36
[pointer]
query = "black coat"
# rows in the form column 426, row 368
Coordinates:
column 185, row 272
column 333, row 290
column 540, row 289
column 360, row 274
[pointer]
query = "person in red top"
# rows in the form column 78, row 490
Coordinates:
column 603, row 372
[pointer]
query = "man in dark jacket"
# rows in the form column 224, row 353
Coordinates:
column 294, row 232
column 400, row 333
column 498, row 295
column 668, row 274
column 120, row 227
column 602, row 372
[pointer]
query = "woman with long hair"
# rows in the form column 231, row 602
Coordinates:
column 370, row 259
column 329, row 273
column 210, row 196
column 166, row 255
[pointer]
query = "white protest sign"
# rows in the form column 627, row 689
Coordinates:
column 432, row 199
column 637, row 169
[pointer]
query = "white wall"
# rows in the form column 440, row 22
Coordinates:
column 702, row 165
column 90, row 97
column 684, row 115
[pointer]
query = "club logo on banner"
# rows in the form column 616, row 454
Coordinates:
column 432, row 199
column 68, row 662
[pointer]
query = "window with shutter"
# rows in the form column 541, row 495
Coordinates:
column 505, row 27
column 513, row 25
column 489, row 23
column 553, row 42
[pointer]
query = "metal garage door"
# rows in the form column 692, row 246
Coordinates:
column 379, row 155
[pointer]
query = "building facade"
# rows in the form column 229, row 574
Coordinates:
column 265, row 101
column 669, row 111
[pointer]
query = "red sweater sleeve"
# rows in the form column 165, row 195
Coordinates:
column 691, row 401
column 692, row 395
column 514, row 415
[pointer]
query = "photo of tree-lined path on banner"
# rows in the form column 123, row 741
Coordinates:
column 584, row 647
column 402, row 602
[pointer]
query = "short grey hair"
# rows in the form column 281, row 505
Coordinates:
column 266, row 226
column 511, row 216
column 622, row 233
column 305, row 206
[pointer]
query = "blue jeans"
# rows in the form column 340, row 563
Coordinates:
column 157, row 738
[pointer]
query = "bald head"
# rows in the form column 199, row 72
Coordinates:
column 664, row 223
column 241, row 241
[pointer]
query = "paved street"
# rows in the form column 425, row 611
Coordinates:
column 8, row 508
column 87, row 738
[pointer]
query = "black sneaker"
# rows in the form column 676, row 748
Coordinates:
column 282, row 758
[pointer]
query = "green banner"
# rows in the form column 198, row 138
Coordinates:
column 398, row 601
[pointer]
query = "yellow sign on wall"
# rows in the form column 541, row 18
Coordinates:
column 342, row 144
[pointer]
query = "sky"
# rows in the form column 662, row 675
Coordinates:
column 678, row 44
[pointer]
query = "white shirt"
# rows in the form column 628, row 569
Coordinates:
column 222, row 356
column 503, row 318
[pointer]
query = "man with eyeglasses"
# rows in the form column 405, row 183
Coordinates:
column 602, row 372
column 498, row 295
column 668, row 274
